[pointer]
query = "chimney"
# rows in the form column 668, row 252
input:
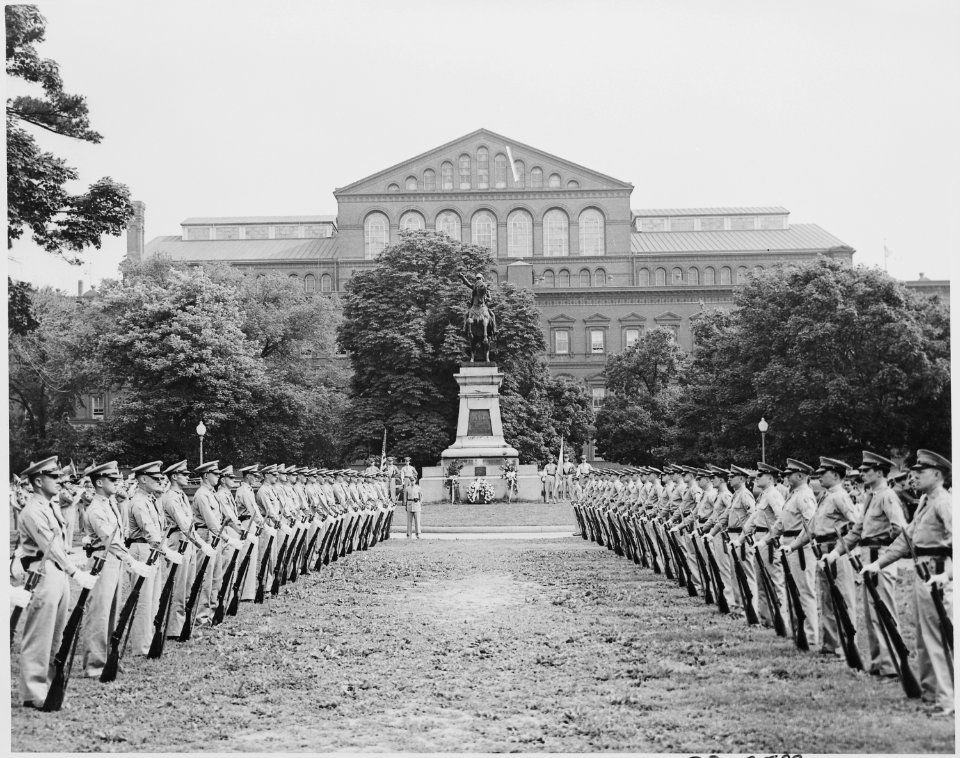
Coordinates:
column 135, row 232
column 79, row 287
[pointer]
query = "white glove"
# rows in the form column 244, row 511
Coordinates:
column 139, row 568
column 19, row 597
column 173, row 556
column 251, row 536
column 317, row 521
column 871, row 568
column 207, row 550
column 286, row 529
column 269, row 531
column 85, row 579
column 234, row 543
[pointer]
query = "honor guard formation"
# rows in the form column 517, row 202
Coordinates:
column 784, row 549
column 159, row 564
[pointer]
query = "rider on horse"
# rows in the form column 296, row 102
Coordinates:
column 478, row 313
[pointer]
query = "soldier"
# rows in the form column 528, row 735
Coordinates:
column 231, row 526
column 580, row 477
column 878, row 525
column 43, row 550
column 69, row 502
column 568, row 472
column 269, row 502
column 684, row 518
column 209, row 523
column 372, row 469
column 105, row 535
column 799, row 507
column 929, row 538
column 834, row 514
column 393, row 477
column 413, row 497
column 550, row 482
column 732, row 521
column 252, row 519
column 712, row 527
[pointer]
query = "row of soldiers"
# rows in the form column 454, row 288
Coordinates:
column 763, row 543
column 160, row 563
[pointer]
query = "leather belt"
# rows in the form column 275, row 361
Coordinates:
column 936, row 552
column 736, row 529
column 875, row 541
column 133, row 540
column 823, row 539
column 761, row 529
column 792, row 533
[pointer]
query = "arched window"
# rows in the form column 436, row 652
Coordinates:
column 563, row 278
column 393, row 187
column 295, row 278
column 643, row 276
column 661, row 277
column 556, row 236
column 376, row 234
column 600, row 278
column 591, row 232
column 709, row 275
column 521, row 175
column 326, row 283
column 554, row 181
column 446, row 175
column 693, row 276
column 584, row 277
column 411, row 183
column 549, row 278
column 573, row 184
column 757, row 270
column 483, row 230
column 429, row 180
column 676, row 275
column 725, row 274
column 483, row 168
column 464, row 171
column 500, row 171
column 412, row 221
column 519, row 234
column 742, row 275
column 448, row 222
column 536, row 178
column 309, row 283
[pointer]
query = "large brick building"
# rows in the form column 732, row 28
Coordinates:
column 601, row 272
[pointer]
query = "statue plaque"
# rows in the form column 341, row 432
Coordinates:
column 479, row 424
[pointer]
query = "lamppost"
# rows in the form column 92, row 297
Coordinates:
column 201, row 430
column 763, row 426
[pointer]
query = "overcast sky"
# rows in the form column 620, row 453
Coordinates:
column 845, row 112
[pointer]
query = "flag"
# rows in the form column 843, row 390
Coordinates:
column 559, row 474
column 383, row 451
column 513, row 166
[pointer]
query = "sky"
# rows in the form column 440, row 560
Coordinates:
column 845, row 112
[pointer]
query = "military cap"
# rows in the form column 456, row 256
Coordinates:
column 854, row 475
column 654, row 470
column 833, row 464
column 210, row 467
column 896, row 476
column 737, row 471
column 717, row 471
column 227, row 471
column 110, row 470
column 154, row 468
column 89, row 468
column 872, row 460
column 177, row 468
column 271, row 469
column 251, row 469
column 766, row 468
column 930, row 459
column 798, row 467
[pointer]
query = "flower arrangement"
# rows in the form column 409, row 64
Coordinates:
column 453, row 480
column 509, row 470
column 480, row 491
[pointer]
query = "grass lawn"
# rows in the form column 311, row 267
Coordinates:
column 491, row 514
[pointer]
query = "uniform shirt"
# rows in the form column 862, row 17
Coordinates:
column 269, row 502
column 568, row 468
column 106, row 527
column 736, row 514
column 41, row 530
column 767, row 511
column 413, row 491
column 408, row 472
column 146, row 520
column 206, row 510
column 228, row 509
column 834, row 512
column 801, row 503
column 583, row 469
column 550, row 469
column 932, row 527
column 247, row 504
column 880, row 521
column 721, row 503
column 688, row 502
column 176, row 508
column 371, row 469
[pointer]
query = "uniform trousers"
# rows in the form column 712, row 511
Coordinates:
column 549, row 489
column 804, row 578
column 413, row 519
column 225, row 557
column 207, row 600
column 829, row 623
column 936, row 680
column 182, row 583
column 884, row 580
column 248, row 589
column 686, row 544
column 100, row 616
column 69, row 524
column 43, row 622
column 268, row 557
column 731, row 590
column 774, row 570
column 141, row 625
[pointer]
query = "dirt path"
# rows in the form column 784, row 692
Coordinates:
column 539, row 645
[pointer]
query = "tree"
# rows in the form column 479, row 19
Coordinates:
column 403, row 323
column 641, row 395
column 37, row 199
column 572, row 411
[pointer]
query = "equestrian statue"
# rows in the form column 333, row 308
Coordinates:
column 479, row 324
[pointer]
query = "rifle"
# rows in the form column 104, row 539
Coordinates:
column 162, row 619
column 112, row 665
column 297, row 549
column 891, row 636
column 936, row 593
column 845, row 627
column 770, row 593
column 704, row 574
column 797, row 616
column 225, row 584
column 241, row 575
column 722, row 604
column 333, row 546
column 683, row 568
column 33, row 579
column 305, row 569
column 650, row 550
column 278, row 566
column 63, row 660
column 262, row 578
column 668, row 572
column 324, row 545
column 195, row 590
column 639, row 547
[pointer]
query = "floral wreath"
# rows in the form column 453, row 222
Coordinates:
column 480, row 491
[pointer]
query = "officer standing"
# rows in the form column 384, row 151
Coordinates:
column 550, row 482
column 413, row 497
column 580, row 476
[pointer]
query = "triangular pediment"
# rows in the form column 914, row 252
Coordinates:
column 561, row 318
column 668, row 316
column 597, row 318
column 393, row 180
column 632, row 318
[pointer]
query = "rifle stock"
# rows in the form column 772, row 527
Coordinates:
column 241, row 575
column 225, row 585
column 722, row 604
column 262, row 577
column 163, row 611
column 796, row 609
column 770, row 594
column 278, row 568
column 187, row 630
column 112, row 665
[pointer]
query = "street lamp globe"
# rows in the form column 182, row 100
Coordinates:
column 201, row 429
column 763, row 426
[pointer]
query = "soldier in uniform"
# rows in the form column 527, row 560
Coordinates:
column 580, row 477
column 568, row 471
column 252, row 519
column 43, row 549
column 799, row 507
column 413, row 497
column 550, row 482
column 930, row 535
column 878, row 525
column 209, row 523
column 731, row 521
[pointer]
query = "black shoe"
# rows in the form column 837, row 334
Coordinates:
column 31, row 704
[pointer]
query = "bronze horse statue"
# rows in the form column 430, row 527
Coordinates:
column 479, row 324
